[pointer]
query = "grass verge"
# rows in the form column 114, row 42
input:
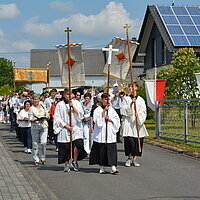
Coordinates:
column 187, row 148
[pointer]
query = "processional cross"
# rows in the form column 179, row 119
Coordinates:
column 110, row 50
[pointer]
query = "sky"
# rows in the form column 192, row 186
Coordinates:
column 40, row 24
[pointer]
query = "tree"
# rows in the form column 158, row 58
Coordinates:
column 5, row 90
column 6, row 72
column 181, row 81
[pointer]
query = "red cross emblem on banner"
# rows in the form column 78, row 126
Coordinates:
column 120, row 56
column 70, row 62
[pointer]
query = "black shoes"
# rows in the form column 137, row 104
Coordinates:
column 75, row 166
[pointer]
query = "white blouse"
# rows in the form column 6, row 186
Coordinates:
column 23, row 114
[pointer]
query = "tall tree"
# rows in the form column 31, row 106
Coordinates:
column 181, row 81
column 6, row 72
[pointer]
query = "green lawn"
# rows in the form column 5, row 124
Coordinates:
column 189, row 147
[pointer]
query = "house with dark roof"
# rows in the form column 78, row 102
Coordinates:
column 165, row 29
column 94, row 62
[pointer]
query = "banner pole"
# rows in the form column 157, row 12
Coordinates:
column 48, row 74
column 70, row 92
column 133, row 88
column 14, row 85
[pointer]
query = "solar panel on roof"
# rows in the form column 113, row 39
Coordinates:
column 180, row 41
column 196, row 20
column 193, row 10
column 166, row 10
column 184, row 20
column 182, row 24
column 198, row 27
column 194, row 40
column 170, row 20
column 179, row 10
column 175, row 29
column 190, row 30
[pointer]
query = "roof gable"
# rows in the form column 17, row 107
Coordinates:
column 161, row 16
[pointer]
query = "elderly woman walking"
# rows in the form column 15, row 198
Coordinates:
column 39, row 129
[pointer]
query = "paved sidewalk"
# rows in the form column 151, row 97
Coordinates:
column 13, row 183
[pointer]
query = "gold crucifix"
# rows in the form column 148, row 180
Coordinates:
column 127, row 27
column 68, row 30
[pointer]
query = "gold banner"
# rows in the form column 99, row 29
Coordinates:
column 31, row 75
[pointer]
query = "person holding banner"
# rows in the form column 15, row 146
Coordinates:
column 63, row 129
column 129, row 130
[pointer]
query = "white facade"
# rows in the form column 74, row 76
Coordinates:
column 92, row 80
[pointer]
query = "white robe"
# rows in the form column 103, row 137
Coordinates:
column 128, row 117
column 100, row 125
column 61, row 118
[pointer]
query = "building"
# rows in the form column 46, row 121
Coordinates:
column 165, row 29
column 94, row 62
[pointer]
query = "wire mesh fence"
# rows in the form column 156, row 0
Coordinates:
column 178, row 120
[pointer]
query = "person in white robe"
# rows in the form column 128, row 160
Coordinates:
column 129, row 129
column 106, row 125
column 63, row 129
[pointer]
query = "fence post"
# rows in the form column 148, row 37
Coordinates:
column 185, row 121
column 157, row 112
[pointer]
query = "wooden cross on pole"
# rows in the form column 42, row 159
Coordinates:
column 110, row 50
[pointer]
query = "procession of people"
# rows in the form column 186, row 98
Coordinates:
column 80, row 124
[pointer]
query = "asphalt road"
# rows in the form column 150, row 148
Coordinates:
column 163, row 175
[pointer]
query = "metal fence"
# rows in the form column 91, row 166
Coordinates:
column 178, row 120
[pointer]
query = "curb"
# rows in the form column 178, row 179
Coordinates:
column 186, row 153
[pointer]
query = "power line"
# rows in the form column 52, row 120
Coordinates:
column 42, row 51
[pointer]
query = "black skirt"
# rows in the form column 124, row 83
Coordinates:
column 131, row 146
column 103, row 154
column 64, row 151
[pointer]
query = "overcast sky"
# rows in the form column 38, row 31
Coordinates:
column 40, row 24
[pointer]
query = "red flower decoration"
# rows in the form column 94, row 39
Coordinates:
column 120, row 56
column 70, row 62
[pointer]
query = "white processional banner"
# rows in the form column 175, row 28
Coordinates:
column 120, row 60
column 76, row 62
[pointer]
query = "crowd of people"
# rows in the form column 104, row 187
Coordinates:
column 80, row 125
